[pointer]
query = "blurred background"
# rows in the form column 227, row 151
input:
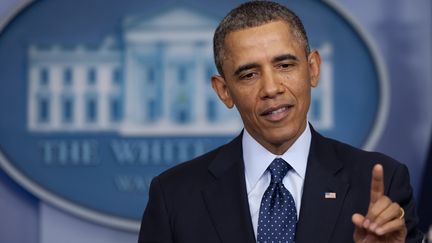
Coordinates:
column 90, row 111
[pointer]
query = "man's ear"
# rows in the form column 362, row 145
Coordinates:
column 314, row 64
column 220, row 87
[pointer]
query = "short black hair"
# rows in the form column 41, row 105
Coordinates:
column 253, row 14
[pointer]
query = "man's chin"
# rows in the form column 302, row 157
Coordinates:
column 281, row 136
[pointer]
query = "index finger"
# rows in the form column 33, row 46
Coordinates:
column 377, row 183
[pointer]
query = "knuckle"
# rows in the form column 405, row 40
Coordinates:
column 386, row 200
column 372, row 214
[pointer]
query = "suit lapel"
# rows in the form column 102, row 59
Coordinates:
column 226, row 197
column 319, row 214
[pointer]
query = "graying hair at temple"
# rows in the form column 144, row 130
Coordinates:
column 253, row 14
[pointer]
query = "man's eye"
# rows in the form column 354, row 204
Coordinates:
column 248, row 76
column 285, row 65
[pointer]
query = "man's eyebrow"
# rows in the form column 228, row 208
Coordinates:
column 245, row 67
column 284, row 57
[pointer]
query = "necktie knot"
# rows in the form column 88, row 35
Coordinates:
column 278, row 169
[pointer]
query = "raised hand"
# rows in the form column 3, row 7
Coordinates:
column 384, row 221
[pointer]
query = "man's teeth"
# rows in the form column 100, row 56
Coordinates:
column 282, row 109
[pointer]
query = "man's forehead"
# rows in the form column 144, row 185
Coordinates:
column 265, row 36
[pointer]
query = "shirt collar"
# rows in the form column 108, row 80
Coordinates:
column 257, row 158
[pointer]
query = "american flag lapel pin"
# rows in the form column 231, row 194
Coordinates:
column 330, row 195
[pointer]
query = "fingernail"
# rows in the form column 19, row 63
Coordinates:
column 366, row 223
column 379, row 231
column 373, row 226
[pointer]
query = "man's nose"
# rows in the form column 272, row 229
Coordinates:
column 271, row 85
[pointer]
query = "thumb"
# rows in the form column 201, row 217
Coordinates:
column 359, row 232
column 358, row 220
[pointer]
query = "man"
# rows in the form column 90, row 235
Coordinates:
column 279, row 180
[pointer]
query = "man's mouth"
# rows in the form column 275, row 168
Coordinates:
column 276, row 113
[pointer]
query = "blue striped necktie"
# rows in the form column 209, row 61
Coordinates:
column 278, row 216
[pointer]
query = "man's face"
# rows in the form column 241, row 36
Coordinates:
column 268, row 77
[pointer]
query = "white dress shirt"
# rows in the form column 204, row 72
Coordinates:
column 257, row 159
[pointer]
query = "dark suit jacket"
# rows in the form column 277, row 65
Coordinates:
column 205, row 200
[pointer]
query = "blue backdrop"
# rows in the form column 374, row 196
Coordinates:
column 400, row 35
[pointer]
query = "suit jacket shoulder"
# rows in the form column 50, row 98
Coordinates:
column 201, row 200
